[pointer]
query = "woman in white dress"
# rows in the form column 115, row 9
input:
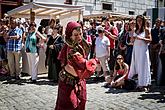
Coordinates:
column 140, row 63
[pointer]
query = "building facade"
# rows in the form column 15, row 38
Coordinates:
column 130, row 7
column 161, row 3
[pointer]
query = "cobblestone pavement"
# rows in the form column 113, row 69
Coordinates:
column 23, row 95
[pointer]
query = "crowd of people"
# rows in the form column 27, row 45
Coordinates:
column 17, row 35
column 117, row 50
column 140, row 46
column 106, row 39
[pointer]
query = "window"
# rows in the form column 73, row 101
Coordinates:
column 88, row 7
column 131, row 13
column 68, row 2
column 107, row 6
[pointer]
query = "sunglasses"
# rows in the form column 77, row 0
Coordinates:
column 119, row 58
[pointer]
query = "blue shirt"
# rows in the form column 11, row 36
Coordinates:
column 15, row 44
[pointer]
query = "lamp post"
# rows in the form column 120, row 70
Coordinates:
column 157, row 3
column 32, row 14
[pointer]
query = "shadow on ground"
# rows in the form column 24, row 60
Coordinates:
column 156, row 93
column 42, row 80
column 152, row 89
column 5, row 79
column 95, row 80
column 159, row 97
column 116, row 91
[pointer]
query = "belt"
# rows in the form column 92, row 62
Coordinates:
column 68, row 78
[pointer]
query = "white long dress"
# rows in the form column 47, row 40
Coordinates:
column 140, row 63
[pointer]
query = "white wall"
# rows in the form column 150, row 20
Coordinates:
column 162, row 13
column 51, row 1
column 120, row 6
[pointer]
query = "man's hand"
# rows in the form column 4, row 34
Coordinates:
column 14, row 37
column 51, row 46
column 23, row 45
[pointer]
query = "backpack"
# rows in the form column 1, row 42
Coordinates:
column 130, row 84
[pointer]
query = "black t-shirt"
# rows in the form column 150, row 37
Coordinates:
column 155, row 35
column 2, row 41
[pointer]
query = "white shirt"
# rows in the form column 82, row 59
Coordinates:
column 102, row 45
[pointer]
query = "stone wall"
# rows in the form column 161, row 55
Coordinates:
column 119, row 6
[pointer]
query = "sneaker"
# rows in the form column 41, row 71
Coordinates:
column 56, row 81
column 17, row 78
column 12, row 78
column 34, row 81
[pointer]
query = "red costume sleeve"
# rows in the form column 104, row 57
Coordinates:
column 84, row 68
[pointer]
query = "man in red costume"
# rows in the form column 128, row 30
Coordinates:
column 72, row 83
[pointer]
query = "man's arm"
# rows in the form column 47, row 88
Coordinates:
column 111, row 35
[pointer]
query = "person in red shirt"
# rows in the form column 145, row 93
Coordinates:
column 76, row 68
column 120, row 73
column 112, row 33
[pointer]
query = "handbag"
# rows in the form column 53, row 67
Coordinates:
column 130, row 84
